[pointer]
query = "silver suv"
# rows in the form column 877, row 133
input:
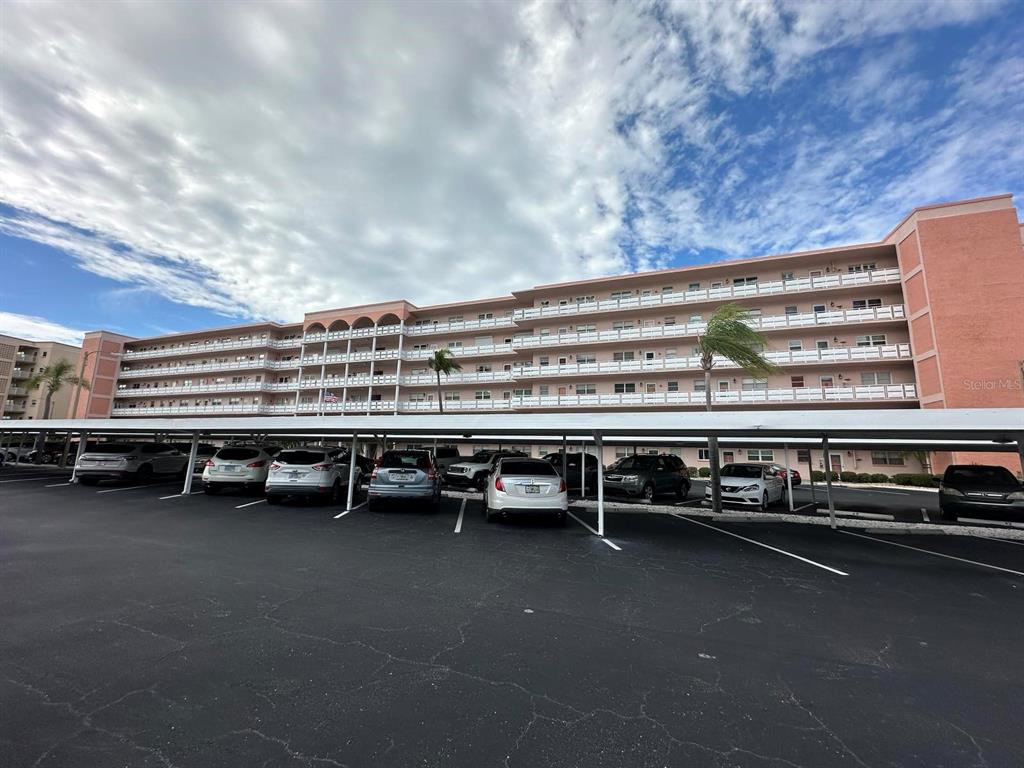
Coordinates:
column 139, row 462
column 405, row 474
column 307, row 473
column 474, row 471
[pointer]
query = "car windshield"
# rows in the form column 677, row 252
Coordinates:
column 520, row 467
column 741, row 470
column 481, row 457
column 402, row 459
column 999, row 476
column 237, row 454
column 112, row 448
column 300, row 457
column 447, row 453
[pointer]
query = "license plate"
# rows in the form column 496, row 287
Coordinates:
column 401, row 476
column 230, row 468
column 532, row 488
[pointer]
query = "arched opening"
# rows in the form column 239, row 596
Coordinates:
column 388, row 319
column 338, row 325
column 362, row 322
column 315, row 328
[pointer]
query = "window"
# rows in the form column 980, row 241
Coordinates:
column 482, row 394
column 796, row 382
column 760, row 454
column 622, row 357
column 723, row 385
column 452, row 396
column 815, row 273
column 672, row 386
column 667, row 289
column 699, row 385
column 621, row 294
column 887, row 458
column 866, row 303
column 625, row 389
column 821, row 344
column 586, row 328
column 826, row 381
column 622, row 325
column 792, row 309
column 586, row 389
column 795, row 345
column 872, row 340
column 649, row 355
column 455, row 319
column 584, row 358
column 483, row 368
column 787, row 275
column 544, row 390
column 670, row 353
column 545, row 360
column 703, row 454
column 650, row 389
column 583, row 299
column 750, row 384
column 671, row 320
column 873, row 378
column 716, row 284
column 744, row 281
column 527, row 392
column 819, row 308
column 696, row 318
column 693, row 287
column 861, row 268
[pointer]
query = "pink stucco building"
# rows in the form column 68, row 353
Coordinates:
column 930, row 316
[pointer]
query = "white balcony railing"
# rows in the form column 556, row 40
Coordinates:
column 352, row 333
column 216, row 346
column 186, row 370
column 725, row 293
column 462, row 326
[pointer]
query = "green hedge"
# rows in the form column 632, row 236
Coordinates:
column 818, row 476
column 863, row 477
column 705, row 471
column 848, row 477
column 923, row 481
column 692, row 471
column 878, row 477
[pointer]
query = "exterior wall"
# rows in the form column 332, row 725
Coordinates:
column 21, row 359
column 100, row 350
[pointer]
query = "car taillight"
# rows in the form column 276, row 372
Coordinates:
column 209, row 463
column 498, row 485
column 274, row 467
column 256, row 464
column 373, row 475
column 321, row 467
column 561, row 485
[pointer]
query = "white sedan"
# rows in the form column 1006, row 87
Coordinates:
column 522, row 484
column 750, row 485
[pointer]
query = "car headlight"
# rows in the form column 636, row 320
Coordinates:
column 1016, row 496
column 749, row 488
column 950, row 491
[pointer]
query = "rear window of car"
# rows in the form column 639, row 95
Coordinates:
column 447, row 453
column 237, row 454
column 520, row 467
column 980, row 476
column 112, row 448
column 481, row 457
column 741, row 470
column 300, row 457
column 397, row 459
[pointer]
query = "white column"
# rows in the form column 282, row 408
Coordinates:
column 83, row 438
column 600, row 483
column 828, row 482
column 373, row 360
column 190, row 467
column 351, row 472
column 344, row 386
column 298, row 386
column 1020, row 452
column 398, row 370
column 323, row 374
column 565, row 463
column 789, row 477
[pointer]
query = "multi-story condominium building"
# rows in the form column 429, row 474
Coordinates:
column 931, row 316
column 20, row 360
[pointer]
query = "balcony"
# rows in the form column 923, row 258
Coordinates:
column 18, row 373
column 890, row 313
column 13, row 406
column 430, row 329
column 26, row 357
column 17, row 392
column 481, row 350
column 725, row 293
column 784, row 359
column 186, row 370
column 351, row 333
column 218, row 346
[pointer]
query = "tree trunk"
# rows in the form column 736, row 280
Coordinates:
column 41, row 437
column 716, row 478
column 440, row 398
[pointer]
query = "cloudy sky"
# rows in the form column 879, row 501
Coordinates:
column 168, row 166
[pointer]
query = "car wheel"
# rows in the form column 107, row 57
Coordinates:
column 335, row 496
column 682, row 490
column 948, row 515
column 88, row 480
column 489, row 515
column 648, row 493
column 371, row 505
column 764, row 502
column 480, row 481
column 272, row 500
column 562, row 517
column 144, row 473
column 211, row 490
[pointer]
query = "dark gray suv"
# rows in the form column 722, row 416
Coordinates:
column 647, row 476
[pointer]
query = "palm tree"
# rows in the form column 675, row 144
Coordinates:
column 442, row 362
column 53, row 377
column 728, row 334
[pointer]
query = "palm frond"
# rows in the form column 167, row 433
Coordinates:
column 730, row 335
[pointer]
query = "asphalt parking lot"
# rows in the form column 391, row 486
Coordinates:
column 145, row 628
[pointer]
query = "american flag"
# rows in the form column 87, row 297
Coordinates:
column 330, row 397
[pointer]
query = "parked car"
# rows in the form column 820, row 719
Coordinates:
column 445, row 456
column 405, row 474
column 574, row 464
column 979, row 490
column 780, row 470
column 364, row 464
column 139, row 462
column 647, row 476
column 752, row 485
column 50, row 453
column 521, row 484
column 238, row 466
column 473, row 471
column 203, row 453
column 16, row 453
column 307, row 473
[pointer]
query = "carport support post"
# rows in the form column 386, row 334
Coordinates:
column 828, row 482
column 190, row 468
column 565, row 464
column 1020, row 452
column 599, row 443
column 789, row 476
column 83, row 438
column 351, row 473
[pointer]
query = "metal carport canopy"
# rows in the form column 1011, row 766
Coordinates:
column 1002, row 425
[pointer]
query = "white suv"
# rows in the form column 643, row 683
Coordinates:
column 238, row 466
column 308, row 473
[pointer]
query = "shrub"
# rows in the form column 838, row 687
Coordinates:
column 817, row 476
column 923, row 481
column 864, row 477
column 691, row 471
column 878, row 477
column 705, row 471
column 848, row 477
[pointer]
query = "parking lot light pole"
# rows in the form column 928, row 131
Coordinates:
column 599, row 443
column 828, row 482
column 789, row 476
column 83, row 438
column 190, row 468
column 351, row 472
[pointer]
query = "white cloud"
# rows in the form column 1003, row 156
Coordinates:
column 267, row 159
column 38, row 329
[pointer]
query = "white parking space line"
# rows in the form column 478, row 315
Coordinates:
column 179, row 495
column 612, row 544
column 56, row 485
column 462, row 511
column 249, row 504
column 609, row 542
column 828, row 568
column 357, row 506
column 26, row 479
column 924, row 515
column 131, row 488
column 936, row 554
column 1010, row 541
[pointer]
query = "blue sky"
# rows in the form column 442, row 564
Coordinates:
column 171, row 166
